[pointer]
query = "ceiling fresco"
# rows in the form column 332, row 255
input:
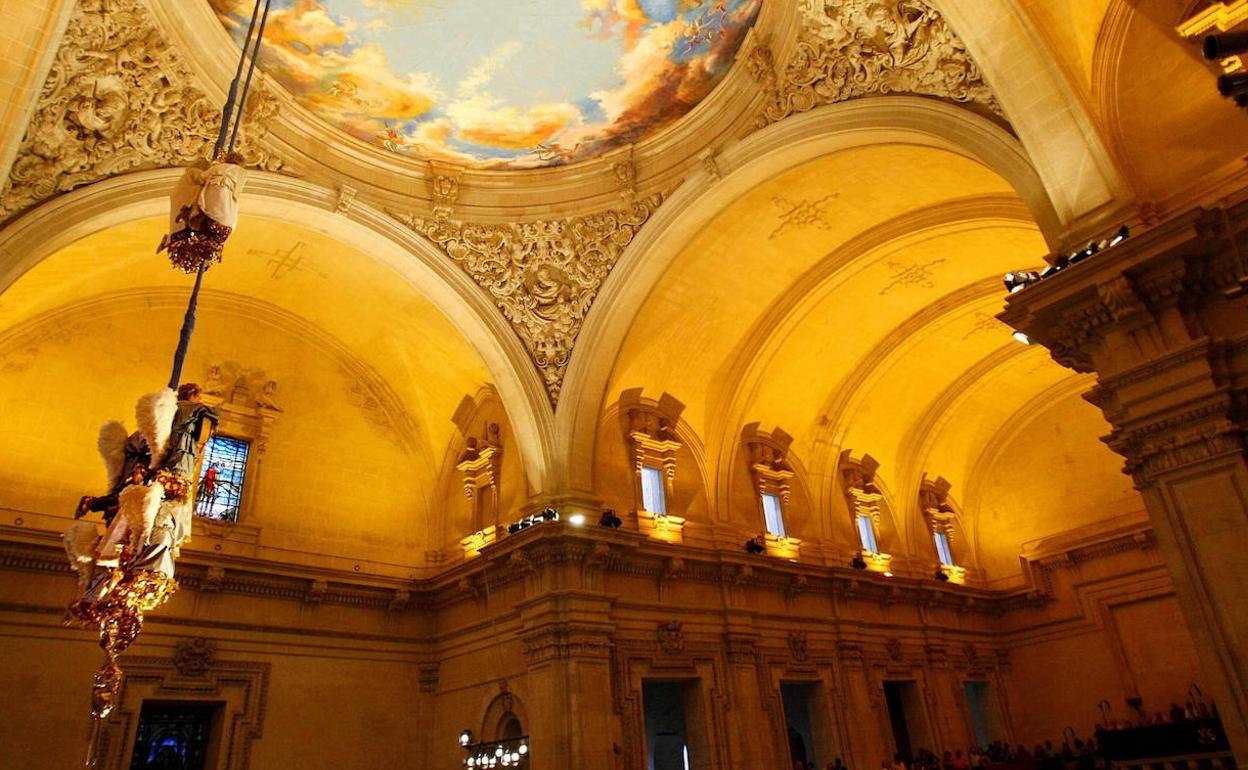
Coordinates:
column 499, row 84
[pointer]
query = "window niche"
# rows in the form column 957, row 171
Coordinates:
column 480, row 464
column 865, row 502
column 230, row 471
column 772, row 475
column 941, row 518
column 649, row 429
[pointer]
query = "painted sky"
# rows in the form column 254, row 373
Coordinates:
column 499, row 83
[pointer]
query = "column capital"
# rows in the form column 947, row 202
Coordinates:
column 1160, row 319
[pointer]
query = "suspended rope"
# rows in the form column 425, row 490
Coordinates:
column 204, row 207
column 147, row 510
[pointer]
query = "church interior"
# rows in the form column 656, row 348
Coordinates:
column 624, row 384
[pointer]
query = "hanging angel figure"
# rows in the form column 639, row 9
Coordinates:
column 147, row 510
column 203, row 211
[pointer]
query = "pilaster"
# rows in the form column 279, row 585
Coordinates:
column 1162, row 319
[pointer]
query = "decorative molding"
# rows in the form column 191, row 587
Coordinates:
column 670, row 637
column 194, row 657
column 120, row 98
column 854, row 48
column 543, row 274
column 241, row 687
column 797, row 646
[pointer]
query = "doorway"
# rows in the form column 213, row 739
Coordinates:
column 906, row 717
column 984, row 716
column 807, row 726
column 676, row 736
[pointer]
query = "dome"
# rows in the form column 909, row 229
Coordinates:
column 537, row 83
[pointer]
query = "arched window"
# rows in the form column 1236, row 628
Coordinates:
column 865, row 500
column 941, row 519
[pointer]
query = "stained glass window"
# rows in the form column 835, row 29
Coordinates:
column 172, row 736
column 221, row 478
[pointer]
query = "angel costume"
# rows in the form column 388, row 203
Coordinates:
column 148, row 508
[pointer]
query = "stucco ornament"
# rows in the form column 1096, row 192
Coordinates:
column 544, row 274
column 853, row 48
column 118, row 98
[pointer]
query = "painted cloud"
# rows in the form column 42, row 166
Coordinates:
column 504, row 83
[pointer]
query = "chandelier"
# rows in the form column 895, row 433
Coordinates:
column 127, row 569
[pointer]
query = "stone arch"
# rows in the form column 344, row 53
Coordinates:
column 733, row 172
column 54, row 225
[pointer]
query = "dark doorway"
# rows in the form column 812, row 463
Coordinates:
column 805, row 722
column 908, row 717
column 894, row 697
column 982, row 706
column 676, row 737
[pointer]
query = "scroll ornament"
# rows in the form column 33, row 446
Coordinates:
column 853, row 48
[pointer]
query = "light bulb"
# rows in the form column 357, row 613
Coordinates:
column 524, row 748
column 576, row 519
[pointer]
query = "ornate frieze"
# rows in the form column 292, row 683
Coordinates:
column 119, row 98
column 543, row 274
column 852, row 48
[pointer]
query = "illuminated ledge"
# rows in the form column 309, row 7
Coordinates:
column 473, row 544
column 954, row 573
column 783, row 547
column 878, row 562
column 661, row 526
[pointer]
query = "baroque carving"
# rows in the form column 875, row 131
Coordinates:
column 544, row 274
column 853, row 48
column 119, row 98
column 194, row 657
column 670, row 637
column 797, row 646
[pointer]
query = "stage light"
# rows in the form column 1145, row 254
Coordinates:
column 1123, row 233
column 941, row 576
column 858, row 562
column 888, row 574
column 1019, row 279
column 1222, row 46
column 576, row 519
column 465, row 738
column 1023, row 338
column 755, row 546
column 1233, row 84
column 610, row 520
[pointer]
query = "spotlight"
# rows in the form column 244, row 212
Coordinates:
column 1019, row 279
column 1023, row 338
column 550, row 514
column 1222, row 46
column 576, row 519
column 941, row 576
column 465, row 738
column 888, row 574
column 610, row 520
column 858, row 562
column 755, row 545
column 1123, row 233
column 1234, row 84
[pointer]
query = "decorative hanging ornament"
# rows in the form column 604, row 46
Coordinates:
column 203, row 211
column 125, row 563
